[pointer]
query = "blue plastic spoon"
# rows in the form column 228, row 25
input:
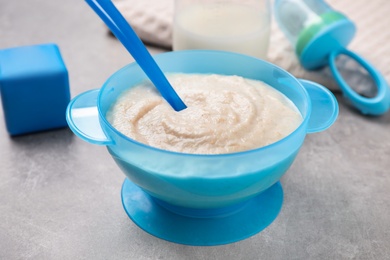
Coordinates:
column 110, row 15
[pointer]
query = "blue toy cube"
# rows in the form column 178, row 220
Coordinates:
column 34, row 88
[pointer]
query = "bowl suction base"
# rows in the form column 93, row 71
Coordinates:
column 252, row 217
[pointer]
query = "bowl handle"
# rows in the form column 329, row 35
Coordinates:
column 324, row 106
column 83, row 118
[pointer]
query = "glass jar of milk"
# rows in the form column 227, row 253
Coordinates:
column 241, row 26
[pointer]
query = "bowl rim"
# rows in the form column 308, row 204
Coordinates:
column 280, row 142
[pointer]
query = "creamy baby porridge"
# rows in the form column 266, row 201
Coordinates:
column 224, row 114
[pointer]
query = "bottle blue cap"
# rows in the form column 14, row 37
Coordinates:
column 319, row 44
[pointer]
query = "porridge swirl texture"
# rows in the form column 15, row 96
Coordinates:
column 224, row 114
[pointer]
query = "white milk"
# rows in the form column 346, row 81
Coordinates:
column 229, row 27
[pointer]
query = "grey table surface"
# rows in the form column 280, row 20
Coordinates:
column 60, row 196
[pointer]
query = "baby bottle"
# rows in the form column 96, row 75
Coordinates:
column 319, row 34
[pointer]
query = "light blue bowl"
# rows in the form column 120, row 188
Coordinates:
column 194, row 187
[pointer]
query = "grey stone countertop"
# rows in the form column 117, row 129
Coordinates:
column 60, row 196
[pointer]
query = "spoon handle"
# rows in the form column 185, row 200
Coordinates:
column 110, row 15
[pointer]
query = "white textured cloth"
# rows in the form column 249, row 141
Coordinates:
column 152, row 20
